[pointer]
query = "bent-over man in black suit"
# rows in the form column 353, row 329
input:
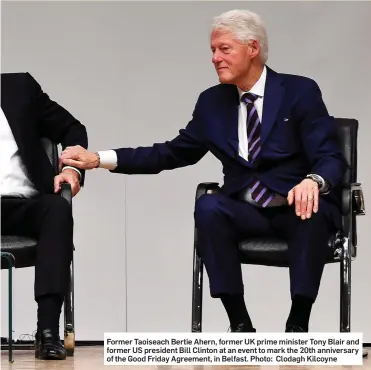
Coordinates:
column 28, row 187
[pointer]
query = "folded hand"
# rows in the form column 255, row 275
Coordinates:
column 70, row 176
column 79, row 157
column 305, row 196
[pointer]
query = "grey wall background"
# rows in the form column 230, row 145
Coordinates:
column 131, row 72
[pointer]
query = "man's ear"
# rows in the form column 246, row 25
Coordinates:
column 254, row 48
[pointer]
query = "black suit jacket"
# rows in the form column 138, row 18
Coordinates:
column 32, row 115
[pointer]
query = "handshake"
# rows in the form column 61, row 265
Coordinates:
column 79, row 157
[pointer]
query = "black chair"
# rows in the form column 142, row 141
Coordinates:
column 20, row 252
column 342, row 246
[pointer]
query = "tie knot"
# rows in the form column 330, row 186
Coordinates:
column 249, row 98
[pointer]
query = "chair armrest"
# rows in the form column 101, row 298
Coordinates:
column 353, row 200
column 352, row 206
column 66, row 192
column 358, row 200
column 206, row 187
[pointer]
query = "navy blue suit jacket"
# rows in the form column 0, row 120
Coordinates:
column 298, row 137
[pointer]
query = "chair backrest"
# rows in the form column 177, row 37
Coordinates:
column 348, row 132
column 52, row 152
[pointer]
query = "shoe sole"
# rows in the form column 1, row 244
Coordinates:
column 49, row 356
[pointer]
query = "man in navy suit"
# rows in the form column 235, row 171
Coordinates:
column 281, row 161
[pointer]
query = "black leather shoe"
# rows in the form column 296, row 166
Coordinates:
column 293, row 328
column 48, row 346
column 243, row 328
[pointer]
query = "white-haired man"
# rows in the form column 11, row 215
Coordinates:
column 281, row 161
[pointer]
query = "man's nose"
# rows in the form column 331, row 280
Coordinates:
column 216, row 58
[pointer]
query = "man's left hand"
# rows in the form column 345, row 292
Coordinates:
column 68, row 175
column 305, row 195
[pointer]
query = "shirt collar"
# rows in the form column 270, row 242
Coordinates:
column 258, row 88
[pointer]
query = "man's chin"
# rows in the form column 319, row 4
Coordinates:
column 225, row 79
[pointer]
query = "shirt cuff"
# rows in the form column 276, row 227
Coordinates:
column 72, row 168
column 108, row 159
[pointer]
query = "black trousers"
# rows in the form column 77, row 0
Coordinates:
column 47, row 218
column 222, row 222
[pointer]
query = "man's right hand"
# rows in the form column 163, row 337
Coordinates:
column 79, row 157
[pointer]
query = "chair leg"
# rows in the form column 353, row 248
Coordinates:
column 10, row 259
column 10, row 289
column 69, row 319
column 345, row 287
column 197, row 293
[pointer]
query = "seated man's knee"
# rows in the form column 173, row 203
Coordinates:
column 57, row 205
column 319, row 216
column 206, row 208
column 315, row 222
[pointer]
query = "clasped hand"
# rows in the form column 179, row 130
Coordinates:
column 70, row 176
column 78, row 157
column 305, row 195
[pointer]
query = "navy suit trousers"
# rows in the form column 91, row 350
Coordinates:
column 222, row 222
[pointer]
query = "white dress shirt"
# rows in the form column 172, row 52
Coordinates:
column 14, row 180
column 108, row 158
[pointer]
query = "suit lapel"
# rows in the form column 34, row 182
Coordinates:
column 230, row 122
column 229, row 118
column 16, row 114
column 12, row 114
column 273, row 96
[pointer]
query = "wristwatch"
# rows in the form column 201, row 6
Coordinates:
column 98, row 160
column 317, row 179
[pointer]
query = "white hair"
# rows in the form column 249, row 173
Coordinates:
column 246, row 26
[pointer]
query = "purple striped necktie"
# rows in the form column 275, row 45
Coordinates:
column 259, row 192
